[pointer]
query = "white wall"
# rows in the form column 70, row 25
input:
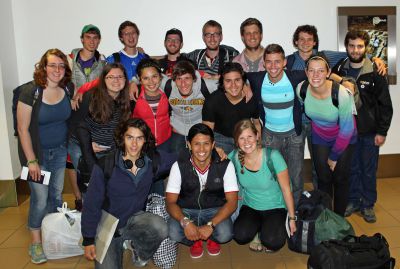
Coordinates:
column 9, row 164
column 43, row 24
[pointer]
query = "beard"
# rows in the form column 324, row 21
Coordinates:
column 358, row 59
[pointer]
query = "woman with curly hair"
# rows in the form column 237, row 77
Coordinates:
column 43, row 109
column 266, row 194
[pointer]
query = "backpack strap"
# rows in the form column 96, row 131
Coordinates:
column 204, row 89
column 199, row 57
column 221, row 57
column 168, row 88
column 107, row 164
column 303, row 90
column 270, row 164
column 289, row 62
column 117, row 57
column 335, row 93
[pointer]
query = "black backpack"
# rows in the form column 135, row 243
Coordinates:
column 310, row 206
column 334, row 92
column 35, row 94
column 364, row 252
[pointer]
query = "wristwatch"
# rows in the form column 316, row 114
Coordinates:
column 185, row 222
column 293, row 218
column 211, row 224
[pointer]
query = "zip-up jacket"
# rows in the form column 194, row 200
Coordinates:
column 375, row 114
column 213, row 194
column 78, row 75
column 160, row 123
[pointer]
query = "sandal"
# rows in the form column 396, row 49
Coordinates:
column 256, row 245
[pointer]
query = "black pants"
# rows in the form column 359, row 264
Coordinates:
column 269, row 223
column 336, row 182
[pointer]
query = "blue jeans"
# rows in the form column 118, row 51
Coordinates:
column 224, row 142
column 364, row 165
column 178, row 142
column 306, row 131
column 146, row 231
column 292, row 149
column 46, row 199
column 74, row 151
column 223, row 231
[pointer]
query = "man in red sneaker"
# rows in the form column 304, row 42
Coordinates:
column 201, row 195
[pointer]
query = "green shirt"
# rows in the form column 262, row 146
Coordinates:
column 259, row 190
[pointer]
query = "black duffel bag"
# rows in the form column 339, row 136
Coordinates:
column 309, row 208
column 364, row 252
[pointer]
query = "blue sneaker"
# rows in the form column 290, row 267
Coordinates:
column 37, row 254
column 368, row 214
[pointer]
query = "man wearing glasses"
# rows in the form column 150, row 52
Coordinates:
column 129, row 56
column 212, row 58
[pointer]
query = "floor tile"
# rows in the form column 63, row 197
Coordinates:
column 296, row 262
column 21, row 238
column 12, row 221
column 15, row 258
column 4, row 234
column 66, row 263
column 275, row 263
column 384, row 219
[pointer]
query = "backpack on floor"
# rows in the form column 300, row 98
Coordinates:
column 309, row 208
column 165, row 256
column 364, row 252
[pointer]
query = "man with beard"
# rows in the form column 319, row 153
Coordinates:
column 129, row 56
column 373, row 122
column 173, row 43
column 251, row 58
column 214, row 56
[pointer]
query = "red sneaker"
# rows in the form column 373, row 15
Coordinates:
column 213, row 248
column 196, row 250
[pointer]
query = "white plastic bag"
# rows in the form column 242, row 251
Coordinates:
column 61, row 233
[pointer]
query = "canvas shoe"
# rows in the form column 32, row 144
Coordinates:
column 196, row 250
column 368, row 214
column 350, row 209
column 213, row 248
column 37, row 254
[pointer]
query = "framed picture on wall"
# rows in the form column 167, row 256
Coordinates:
column 380, row 24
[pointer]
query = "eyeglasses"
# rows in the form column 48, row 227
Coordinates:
column 115, row 77
column 54, row 66
column 209, row 35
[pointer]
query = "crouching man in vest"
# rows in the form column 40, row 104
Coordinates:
column 201, row 195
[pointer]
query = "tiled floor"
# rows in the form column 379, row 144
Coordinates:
column 14, row 240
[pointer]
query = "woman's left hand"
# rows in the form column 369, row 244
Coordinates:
column 332, row 164
column 293, row 228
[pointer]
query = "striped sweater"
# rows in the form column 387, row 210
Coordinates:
column 331, row 126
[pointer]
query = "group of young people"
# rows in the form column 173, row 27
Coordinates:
column 229, row 129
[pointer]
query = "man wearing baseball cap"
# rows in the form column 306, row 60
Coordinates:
column 86, row 64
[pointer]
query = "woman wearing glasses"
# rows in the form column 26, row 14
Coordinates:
column 93, row 124
column 330, row 107
column 43, row 110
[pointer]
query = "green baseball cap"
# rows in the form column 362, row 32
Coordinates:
column 90, row 27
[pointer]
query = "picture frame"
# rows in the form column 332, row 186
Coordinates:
column 380, row 23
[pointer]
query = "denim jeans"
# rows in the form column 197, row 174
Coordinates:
column 306, row 131
column 292, row 149
column 45, row 199
column 223, row 231
column 224, row 142
column 146, row 231
column 363, row 172
column 178, row 142
column 74, row 150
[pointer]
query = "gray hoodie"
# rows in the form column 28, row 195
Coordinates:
column 187, row 111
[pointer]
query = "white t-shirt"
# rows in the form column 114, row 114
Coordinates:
column 175, row 179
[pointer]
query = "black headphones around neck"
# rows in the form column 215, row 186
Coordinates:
column 128, row 164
